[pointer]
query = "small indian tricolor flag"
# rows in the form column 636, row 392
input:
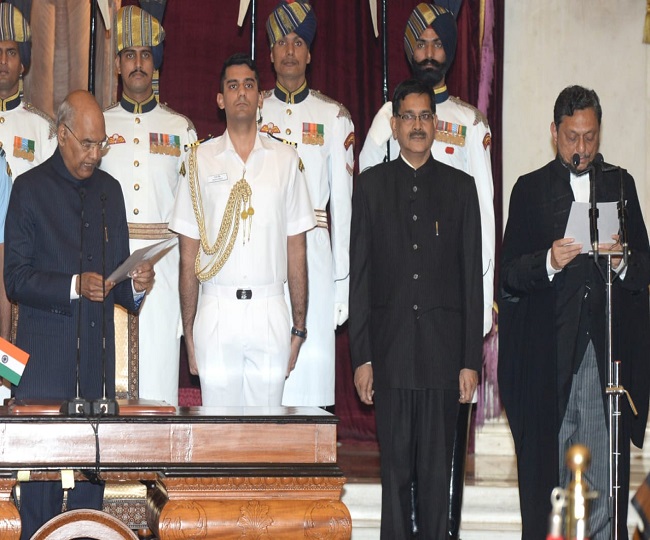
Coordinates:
column 12, row 361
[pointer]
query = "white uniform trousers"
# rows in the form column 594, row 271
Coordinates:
column 242, row 346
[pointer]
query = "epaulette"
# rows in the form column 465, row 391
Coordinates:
column 267, row 94
column 343, row 111
column 479, row 117
column 190, row 124
column 281, row 140
column 30, row 108
column 196, row 143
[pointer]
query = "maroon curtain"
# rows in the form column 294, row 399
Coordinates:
column 346, row 64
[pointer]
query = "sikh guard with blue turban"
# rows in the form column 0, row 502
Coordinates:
column 148, row 142
column 322, row 131
column 26, row 134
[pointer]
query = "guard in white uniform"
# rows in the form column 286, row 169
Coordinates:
column 242, row 216
column 148, row 145
column 322, row 131
column 462, row 140
column 26, row 134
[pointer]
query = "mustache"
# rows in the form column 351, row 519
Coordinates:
column 137, row 70
column 417, row 135
column 430, row 62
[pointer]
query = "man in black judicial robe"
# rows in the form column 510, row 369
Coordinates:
column 415, row 312
column 552, row 312
column 55, row 214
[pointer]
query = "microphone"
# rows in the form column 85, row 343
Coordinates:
column 575, row 159
column 595, row 171
column 78, row 406
column 104, row 406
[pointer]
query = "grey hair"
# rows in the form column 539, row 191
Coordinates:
column 65, row 114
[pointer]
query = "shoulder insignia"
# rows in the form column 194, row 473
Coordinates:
column 487, row 140
column 349, row 141
column 190, row 124
column 272, row 135
column 29, row 107
column 343, row 112
column 196, row 143
column 479, row 117
column 267, row 94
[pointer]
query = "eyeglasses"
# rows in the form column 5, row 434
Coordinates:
column 410, row 118
column 88, row 145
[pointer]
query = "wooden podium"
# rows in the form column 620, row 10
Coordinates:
column 210, row 472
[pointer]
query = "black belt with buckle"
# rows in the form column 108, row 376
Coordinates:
column 244, row 294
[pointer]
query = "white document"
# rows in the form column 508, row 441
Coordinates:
column 151, row 253
column 577, row 226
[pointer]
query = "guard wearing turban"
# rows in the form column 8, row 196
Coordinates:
column 436, row 17
column 291, row 17
column 462, row 140
column 14, row 27
column 322, row 131
column 148, row 142
column 134, row 27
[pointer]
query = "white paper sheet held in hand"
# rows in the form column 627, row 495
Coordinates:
column 150, row 253
column 577, row 226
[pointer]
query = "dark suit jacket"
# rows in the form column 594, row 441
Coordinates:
column 415, row 275
column 43, row 237
column 542, row 326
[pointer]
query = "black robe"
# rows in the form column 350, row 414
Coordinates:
column 544, row 327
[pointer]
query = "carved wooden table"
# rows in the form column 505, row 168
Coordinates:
column 210, row 472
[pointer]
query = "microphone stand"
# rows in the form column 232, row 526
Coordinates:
column 104, row 406
column 78, row 406
column 614, row 389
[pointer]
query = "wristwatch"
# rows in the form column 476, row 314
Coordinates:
column 302, row 334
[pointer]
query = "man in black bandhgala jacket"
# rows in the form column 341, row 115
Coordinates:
column 416, row 316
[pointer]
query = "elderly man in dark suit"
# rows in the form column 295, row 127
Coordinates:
column 415, row 311
column 66, row 229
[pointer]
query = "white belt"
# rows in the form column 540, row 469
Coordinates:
column 243, row 293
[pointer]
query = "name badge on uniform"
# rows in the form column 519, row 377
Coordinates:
column 221, row 177
column 165, row 144
column 313, row 133
column 24, row 148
